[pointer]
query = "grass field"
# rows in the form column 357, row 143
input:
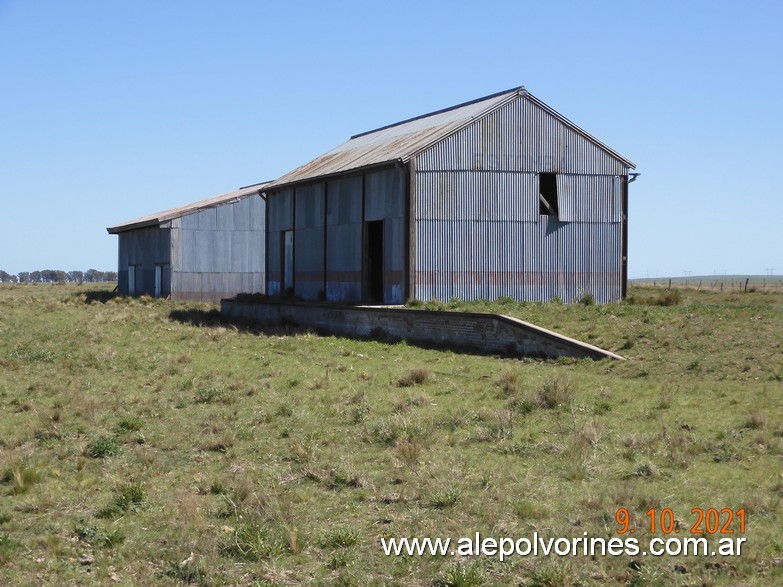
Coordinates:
column 146, row 442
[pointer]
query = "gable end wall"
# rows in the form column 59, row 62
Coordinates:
column 478, row 230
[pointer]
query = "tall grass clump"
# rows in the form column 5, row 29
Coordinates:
column 554, row 393
column 102, row 447
column 417, row 376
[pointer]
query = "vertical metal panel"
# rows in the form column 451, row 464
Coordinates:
column 190, row 222
column 207, row 219
column 434, row 261
column 587, row 198
column 225, row 216
column 288, row 260
column 210, row 263
column 384, row 199
column 274, row 256
column 394, row 261
column 309, row 262
column 309, row 241
column 617, row 198
column 280, row 208
column 175, row 232
column 238, row 249
column 345, row 201
column 256, row 206
column 166, row 283
column 344, row 262
column 344, row 239
column 242, row 212
column 309, row 206
column 530, row 261
column 384, row 194
column 143, row 248
column 223, row 251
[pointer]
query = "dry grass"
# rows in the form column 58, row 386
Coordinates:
column 174, row 448
column 418, row 376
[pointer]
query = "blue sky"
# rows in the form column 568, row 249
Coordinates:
column 113, row 110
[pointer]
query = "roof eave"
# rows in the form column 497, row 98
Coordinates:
column 337, row 174
column 180, row 213
column 133, row 226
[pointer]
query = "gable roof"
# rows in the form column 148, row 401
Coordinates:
column 160, row 217
column 401, row 141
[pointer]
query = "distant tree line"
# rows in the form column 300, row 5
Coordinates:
column 57, row 276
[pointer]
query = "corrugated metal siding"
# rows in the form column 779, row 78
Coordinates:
column 144, row 248
column 384, row 194
column 344, row 239
column 589, row 198
column 211, row 287
column 470, row 195
column 479, row 233
column 473, row 260
column 220, row 251
column 309, row 241
column 280, row 211
column 520, row 136
column 328, row 221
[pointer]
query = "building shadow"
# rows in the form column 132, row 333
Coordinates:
column 97, row 295
column 213, row 319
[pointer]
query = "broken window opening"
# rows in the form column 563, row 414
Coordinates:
column 547, row 194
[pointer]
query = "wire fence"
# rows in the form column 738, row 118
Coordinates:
column 718, row 283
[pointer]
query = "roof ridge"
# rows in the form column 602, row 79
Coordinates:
column 441, row 111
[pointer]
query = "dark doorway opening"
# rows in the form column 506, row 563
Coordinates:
column 374, row 261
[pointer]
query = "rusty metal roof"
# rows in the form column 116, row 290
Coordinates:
column 396, row 142
column 401, row 141
column 160, row 217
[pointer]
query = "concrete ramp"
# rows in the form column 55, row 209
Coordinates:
column 464, row 331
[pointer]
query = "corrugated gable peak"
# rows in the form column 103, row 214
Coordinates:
column 579, row 130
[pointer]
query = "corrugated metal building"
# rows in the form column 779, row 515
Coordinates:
column 501, row 196
column 205, row 251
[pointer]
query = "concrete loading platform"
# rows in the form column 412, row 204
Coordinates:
column 463, row 331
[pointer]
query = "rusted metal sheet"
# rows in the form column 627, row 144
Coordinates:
column 397, row 142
